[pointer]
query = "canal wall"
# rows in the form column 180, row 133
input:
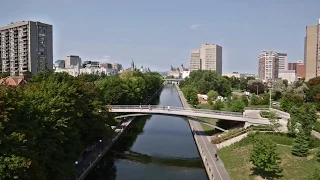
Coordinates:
column 87, row 164
column 203, row 154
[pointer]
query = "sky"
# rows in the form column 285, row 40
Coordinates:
column 158, row 34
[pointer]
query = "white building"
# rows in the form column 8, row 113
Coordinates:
column 289, row 75
column 76, row 70
column 268, row 66
column 185, row 74
column 239, row 75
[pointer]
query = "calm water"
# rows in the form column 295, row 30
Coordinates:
column 154, row 147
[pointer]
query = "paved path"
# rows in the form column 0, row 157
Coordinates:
column 209, row 150
column 206, row 148
column 316, row 134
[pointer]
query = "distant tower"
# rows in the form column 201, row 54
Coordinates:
column 132, row 66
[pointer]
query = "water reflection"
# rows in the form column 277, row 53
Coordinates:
column 153, row 147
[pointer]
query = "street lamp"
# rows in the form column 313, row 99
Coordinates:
column 100, row 140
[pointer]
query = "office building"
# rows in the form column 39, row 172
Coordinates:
column 283, row 59
column 90, row 64
column 59, row 64
column 117, row 66
column 72, row 60
column 195, row 62
column 26, row 46
column 268, row 66
column 311, row 51
column 300, row 69
column 209, row 57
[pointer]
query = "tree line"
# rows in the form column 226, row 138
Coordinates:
column 46, row 124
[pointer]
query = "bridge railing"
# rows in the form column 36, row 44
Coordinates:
column 167, row 108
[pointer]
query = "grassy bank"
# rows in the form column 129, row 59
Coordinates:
column 236, row 159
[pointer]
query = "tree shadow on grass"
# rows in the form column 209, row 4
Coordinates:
column 266, row 175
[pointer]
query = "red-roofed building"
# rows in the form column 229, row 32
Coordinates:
column 13, row 81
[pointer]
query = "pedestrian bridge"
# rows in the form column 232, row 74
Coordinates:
column 186, row 112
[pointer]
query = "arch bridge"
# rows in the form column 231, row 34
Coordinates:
column 186, row 112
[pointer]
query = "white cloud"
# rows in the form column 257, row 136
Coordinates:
column 195, row 26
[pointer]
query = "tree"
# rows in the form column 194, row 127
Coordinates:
column 300, row 146
column 304, row 116
column 237, row 106
column 273, row 118
column 265, row 159
column 218, row 105
column 255, row 100
column 289, row 100
column 244, row 99
column 255, row 85
column 314, row 81
column 212, row 96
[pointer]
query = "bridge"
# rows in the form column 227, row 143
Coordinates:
column 172, row 80
column 187, row 112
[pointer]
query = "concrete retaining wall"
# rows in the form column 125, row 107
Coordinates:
column 202, row 155
column 232, row 141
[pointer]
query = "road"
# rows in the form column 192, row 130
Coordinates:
column 209, row 150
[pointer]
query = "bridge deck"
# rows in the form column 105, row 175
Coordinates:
column 180, row 111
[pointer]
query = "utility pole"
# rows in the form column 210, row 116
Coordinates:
column 270, row 89
column 257, row 89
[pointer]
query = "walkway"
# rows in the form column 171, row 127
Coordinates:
column 93, row 157
column 187, row 112
column 215, row 169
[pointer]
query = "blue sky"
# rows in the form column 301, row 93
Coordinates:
column 158, row 34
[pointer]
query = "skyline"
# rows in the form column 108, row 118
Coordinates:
column 163, row 33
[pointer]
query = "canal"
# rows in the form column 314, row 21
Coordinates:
column 153, row 147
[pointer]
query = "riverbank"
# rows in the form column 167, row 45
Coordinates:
column 87, row 163
column 215, row 169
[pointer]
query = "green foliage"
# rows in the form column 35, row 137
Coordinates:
column 306, row 116
column 4, row 74
column 237, row 106
column 244, row 99
column 301, row 144
column 265, row 158
column 212, row 96
column 255, row 100
column 190, row 94
column 316, row 126
column 255, row 85
column 45, row 125
column 205, row 80
column 218, row 105
column 289, row 100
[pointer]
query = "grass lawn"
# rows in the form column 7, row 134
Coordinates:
column 236, row 160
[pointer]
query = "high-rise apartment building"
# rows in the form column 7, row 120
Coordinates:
column 283, row 59
column 209, row 57
column 312, row 51
column 26, row 46
column 72, row 60
column 195, row 62
column 268, row 66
